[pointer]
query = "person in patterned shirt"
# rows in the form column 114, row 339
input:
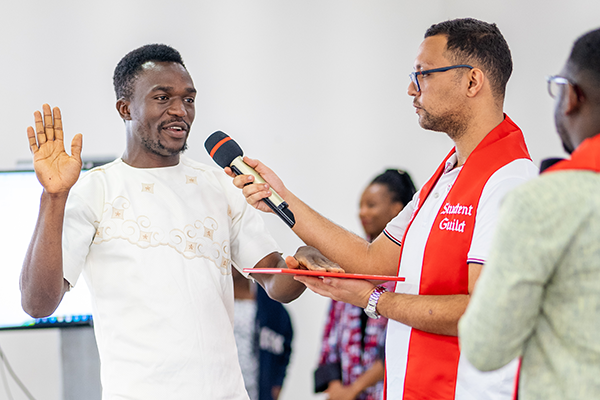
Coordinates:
column 351, row 361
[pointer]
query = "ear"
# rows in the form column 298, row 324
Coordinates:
column 123, row 109
column 476, row 79
column 574, row 99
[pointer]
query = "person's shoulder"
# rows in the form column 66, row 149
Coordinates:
column 193, row 164
column 207, row 170
column 565, row 194
column 567, row 183
column 98, row 175
column 521, row 168
column 510, row 176
column 213, row 175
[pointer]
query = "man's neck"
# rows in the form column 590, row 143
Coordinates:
column 475, row 133
column 148, row 160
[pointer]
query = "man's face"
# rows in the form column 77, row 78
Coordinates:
column 162, row 109
column 438, row 104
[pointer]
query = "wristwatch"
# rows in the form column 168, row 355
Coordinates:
column 371, row 308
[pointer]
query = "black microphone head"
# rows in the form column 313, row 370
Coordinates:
column 222, row 148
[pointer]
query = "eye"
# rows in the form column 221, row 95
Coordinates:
column 161, row 98
column 190, row 100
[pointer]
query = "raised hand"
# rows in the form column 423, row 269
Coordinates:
column 55, row 169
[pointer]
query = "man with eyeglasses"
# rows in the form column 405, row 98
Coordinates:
column 539, row 295
column 440, row 240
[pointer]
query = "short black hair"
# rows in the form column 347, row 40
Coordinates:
column 471, row 41
column 129, row 67
column 399, row 183
column 585, row 55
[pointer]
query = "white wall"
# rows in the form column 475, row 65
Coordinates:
column 314, row 88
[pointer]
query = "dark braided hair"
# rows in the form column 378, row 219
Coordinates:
column 399, row 183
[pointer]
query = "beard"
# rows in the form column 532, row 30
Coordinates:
column 154, row 144
column 452, row 123
column 156, row 147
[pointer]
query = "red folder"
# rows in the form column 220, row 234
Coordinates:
column 321, row 274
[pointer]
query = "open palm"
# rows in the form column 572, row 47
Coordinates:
column 55, row 169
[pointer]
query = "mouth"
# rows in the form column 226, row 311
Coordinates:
column 417, row 107
column 176, row 130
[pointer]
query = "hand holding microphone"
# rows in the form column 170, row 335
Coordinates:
column 227, row 153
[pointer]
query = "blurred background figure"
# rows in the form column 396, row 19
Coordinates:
column 263, row 336
column 351, row 362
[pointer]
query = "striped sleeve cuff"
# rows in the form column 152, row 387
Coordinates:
column 392, row 238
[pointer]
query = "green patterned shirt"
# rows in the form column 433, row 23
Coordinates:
column 539, row 294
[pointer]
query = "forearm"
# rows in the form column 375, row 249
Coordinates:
column 350, row 251
column 331, row 239
column 369, row 378
column 433, row 314
column 42, row 283
column 280, row 287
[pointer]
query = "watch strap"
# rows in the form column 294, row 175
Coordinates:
column 371, row 308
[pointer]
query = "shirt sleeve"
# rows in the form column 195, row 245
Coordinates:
column 250, row 240
column 500, row 183
column 82, row 215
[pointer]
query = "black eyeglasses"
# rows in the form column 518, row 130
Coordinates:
column 414, row 75
column 554, row 83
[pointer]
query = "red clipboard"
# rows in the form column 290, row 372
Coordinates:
column 306, row 272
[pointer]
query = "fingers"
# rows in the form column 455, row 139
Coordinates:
column 312, row 259
column 32, row 141
column 291, row 262
column 240, row 181
column 58, row 130
column 253, row 196
column 251, row 162
column 39, row 128
column 48, row 124
column 229, row 172
column 76, row 145
column 314, row 284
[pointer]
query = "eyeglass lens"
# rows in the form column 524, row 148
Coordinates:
column 554, row 85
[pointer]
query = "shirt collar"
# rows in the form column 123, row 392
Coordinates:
column 450, row 163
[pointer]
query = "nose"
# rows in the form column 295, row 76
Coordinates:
column 362, row 211
column 177, row 107
column 412, row 89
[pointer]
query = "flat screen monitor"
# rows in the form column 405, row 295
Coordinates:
column 20, row 194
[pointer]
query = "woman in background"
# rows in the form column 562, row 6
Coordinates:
column 351, row 363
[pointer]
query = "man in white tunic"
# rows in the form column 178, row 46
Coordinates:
column 155, row 235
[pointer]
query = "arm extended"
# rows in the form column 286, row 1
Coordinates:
column 353, row 253
column 41, row 282
column 434, row 314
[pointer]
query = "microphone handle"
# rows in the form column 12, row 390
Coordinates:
column 274, row 201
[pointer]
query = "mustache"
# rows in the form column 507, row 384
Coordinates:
column 176, row 119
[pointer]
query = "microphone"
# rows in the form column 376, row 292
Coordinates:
column 227, row 153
